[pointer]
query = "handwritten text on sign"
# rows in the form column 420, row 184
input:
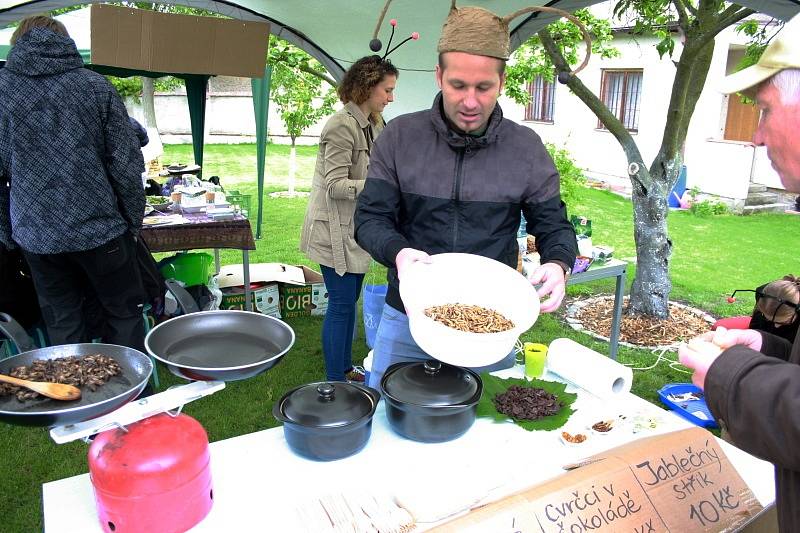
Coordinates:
column 699, row 483
column 677, row 482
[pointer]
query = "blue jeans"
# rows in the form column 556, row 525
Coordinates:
column 394, row 344
column 340, row 321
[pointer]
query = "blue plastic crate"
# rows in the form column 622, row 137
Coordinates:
column 694, row 410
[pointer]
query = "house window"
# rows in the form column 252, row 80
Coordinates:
column 621, row 92
column 542, row 102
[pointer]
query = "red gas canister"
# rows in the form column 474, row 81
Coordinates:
column 155, row 476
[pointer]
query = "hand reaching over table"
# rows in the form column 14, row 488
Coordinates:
column 553, row 283
column 701, row 352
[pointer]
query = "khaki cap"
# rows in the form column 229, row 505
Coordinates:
column 782, row 53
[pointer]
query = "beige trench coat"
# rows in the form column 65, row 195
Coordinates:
column 344, row 146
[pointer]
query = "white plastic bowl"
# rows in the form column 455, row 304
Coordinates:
column 467, row 279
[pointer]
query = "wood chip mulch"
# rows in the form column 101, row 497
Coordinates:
column 639, row 330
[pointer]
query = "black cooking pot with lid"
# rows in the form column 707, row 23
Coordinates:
column 328, row 420
column 430, row 401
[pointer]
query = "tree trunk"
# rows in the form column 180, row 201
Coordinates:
column 292, row 166
column 651, row 285
column 148, row 103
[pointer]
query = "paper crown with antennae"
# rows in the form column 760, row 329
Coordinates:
column 375, row 44
column 477, row 31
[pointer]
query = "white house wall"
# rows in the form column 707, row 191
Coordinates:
column 229, row 120
column 716, row 166
column 575, row 126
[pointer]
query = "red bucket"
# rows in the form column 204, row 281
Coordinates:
column 155, row 476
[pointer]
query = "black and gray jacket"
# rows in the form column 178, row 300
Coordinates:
column 70, row 164
column 433, row 189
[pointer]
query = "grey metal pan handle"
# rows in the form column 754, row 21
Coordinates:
column 182, row 296
column 14, row 331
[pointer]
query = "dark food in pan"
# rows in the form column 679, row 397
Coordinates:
column 90, row 371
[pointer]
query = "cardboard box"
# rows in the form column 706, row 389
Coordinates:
column 264, row 295
column 182, row 44
column 309, row 298
column 301, row 290
column 680, row 481
column 264, row 299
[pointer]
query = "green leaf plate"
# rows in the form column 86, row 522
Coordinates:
column 492, row 386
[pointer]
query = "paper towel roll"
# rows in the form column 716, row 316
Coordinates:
column 592, row 371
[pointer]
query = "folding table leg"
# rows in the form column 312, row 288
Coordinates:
column 616, row 321
column 248, row 305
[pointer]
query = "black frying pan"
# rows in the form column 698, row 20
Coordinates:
column 116, row 392
column 220, row 345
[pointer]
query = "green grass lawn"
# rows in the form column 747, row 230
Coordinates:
column 711, row 257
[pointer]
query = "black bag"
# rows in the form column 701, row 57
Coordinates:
column 152, row 279
column 154, row 291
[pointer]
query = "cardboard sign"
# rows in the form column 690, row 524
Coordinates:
column 677, row 482
column 181, row 44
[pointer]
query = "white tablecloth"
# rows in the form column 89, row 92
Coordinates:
column 259, row 482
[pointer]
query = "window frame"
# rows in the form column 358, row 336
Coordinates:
column 623, row 108
column 545, row 109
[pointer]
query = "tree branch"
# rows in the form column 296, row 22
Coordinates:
column 690, row 8
column 683, row 19
column 320, row 75
column 606, row 117
column 697, row 80
column 731, row 16
column 671, row 141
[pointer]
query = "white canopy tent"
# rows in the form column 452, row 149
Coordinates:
column 337, row 32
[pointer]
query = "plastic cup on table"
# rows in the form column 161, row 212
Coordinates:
column 535, row 357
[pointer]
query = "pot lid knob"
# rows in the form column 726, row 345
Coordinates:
column 432, row 366
column 326, row 391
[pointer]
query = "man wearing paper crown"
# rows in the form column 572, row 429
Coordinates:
column 455, row 178
column 752, row 378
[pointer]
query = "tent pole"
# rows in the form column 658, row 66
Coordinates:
column 261, row 109
column 196, row 87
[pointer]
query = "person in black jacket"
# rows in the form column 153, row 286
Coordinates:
column 71, row 193
column 455, row 178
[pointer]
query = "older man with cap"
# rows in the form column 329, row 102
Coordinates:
column 454, row 179
column 755, row 396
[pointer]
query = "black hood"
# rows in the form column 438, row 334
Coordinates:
column 457, row 139
column 41, row 52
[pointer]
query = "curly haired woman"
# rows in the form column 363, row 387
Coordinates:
column 327, row 236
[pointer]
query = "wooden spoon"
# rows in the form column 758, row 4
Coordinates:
column 56, row 391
